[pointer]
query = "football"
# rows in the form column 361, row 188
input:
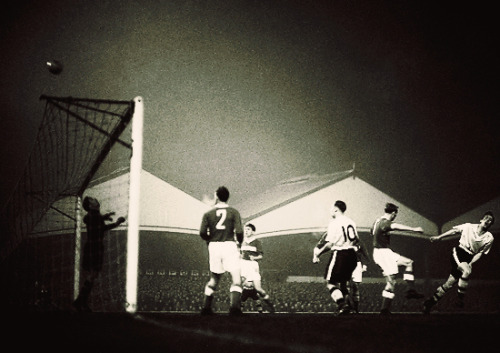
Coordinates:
column 54, row 67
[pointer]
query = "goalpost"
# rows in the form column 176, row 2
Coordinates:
column 84, row 147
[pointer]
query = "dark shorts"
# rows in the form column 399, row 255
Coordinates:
column 458, row 255
column 341, row 265
column 249, row 293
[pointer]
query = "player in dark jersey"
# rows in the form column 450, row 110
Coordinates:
column 388, row 260
column 93, row 251
column 342, row 239
column 475, row 240
column 221, row 228
column 251, row 254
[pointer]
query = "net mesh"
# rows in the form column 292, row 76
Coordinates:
column 83, row 148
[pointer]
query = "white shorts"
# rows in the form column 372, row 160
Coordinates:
column 357, row 274
column 250, row 270
column 387, row 260
column 223, row 257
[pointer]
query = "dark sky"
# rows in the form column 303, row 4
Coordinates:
column 250, row 93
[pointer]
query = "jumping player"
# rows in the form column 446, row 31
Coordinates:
column 93, row 251
column 219, row 228
column 342, row 239
column 475, row 240
column 251, row 254
column 388, row 260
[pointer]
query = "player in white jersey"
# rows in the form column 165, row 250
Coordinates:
column 354, row 296
column 342, row 239
column 475, row 240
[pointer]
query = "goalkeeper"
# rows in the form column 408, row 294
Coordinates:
column 93, row 252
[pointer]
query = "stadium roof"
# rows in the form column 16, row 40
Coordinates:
column 286, row 192
column 302, row 205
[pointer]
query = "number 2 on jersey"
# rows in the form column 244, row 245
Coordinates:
column 222, row 213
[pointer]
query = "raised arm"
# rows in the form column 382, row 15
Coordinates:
column 108, row 216
column 119, row 221
column 397, row 226
column 440, row 237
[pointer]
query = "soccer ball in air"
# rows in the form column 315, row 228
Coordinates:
column 54, row 67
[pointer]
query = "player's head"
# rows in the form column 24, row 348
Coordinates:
column 90, row 204
column 488, row 219
column 222, row 194
column 391, row 209
column 338, row 207
column 341, row 205
column 249, row 229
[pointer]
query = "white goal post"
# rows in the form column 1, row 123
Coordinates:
column 84, row 147
column 134, row 206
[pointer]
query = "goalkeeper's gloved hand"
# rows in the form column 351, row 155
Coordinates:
column 107, row 216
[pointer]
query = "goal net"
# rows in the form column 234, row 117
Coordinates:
column 84, row 147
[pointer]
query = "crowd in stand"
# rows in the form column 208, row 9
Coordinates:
column 185, row 294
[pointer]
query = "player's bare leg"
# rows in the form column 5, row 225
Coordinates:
column 258, row 305
column 337, row 296
column 210, row 289
column 265, row 297
column 388, row 294
column 347, row 306
column 235, row 293
column 439, row 293
column 409, row 278
column 463, row 283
